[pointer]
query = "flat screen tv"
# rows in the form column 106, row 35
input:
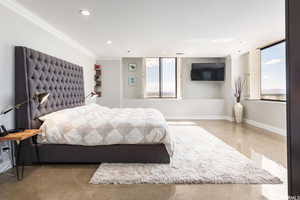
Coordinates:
column 208, row 72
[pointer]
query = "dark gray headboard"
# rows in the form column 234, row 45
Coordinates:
column 36, row 72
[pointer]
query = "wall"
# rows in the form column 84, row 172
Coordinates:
column 16, row 31
column 227, row 90
column 112, row 90
column 182, row 108
column 237, row 66
column 117, row 93
column 266, row 114
column 189, row 89
column 263, row 114
column 216, row 100
column 133, row 92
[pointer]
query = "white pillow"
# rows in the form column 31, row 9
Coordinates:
column 80, row 110
column 53, row 114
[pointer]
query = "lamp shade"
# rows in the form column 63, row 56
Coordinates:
column 92, row 95
column 41, row 97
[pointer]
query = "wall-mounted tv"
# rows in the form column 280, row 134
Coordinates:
column 208, row 72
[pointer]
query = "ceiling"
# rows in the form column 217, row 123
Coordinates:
column 203, row 28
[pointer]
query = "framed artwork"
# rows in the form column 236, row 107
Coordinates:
column 131, row 80
column 132, row 67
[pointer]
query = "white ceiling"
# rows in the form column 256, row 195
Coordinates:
column 208, row 28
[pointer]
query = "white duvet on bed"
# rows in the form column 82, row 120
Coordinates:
column 92, row 125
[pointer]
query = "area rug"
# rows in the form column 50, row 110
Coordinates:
column 199, row 158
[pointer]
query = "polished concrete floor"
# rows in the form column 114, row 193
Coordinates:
column 51, row 182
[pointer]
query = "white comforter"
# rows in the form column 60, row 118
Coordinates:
column 93, row 125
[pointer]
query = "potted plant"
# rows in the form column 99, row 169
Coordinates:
column 238, row 107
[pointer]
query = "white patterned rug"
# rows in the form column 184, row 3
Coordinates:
column 199, row 158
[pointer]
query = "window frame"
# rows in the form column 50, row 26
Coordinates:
column 260, row 92
column 160, row 79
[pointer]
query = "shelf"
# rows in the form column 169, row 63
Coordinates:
column 98, row 81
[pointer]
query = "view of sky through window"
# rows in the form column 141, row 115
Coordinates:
column 168, row 70
column 273, row 72
column 160, row 77
column 152, row 77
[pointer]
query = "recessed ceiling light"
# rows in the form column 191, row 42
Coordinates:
column 108, row 42
column 128, row 51
column 180, row 53
column 85, row 12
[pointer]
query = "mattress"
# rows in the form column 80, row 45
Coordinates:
column 93, row 125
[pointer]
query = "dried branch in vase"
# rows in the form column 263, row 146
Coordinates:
column 239, row 85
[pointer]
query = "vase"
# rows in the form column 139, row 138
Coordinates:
column 238, row 112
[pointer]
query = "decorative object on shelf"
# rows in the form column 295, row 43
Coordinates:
column 238, row 107
column 131, row 67
column 97, row 67
column 98, row 80
column 39, row 97
column 131, row 80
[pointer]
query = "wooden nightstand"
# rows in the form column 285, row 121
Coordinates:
column 18, row 138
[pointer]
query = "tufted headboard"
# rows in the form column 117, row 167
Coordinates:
column 36, row 72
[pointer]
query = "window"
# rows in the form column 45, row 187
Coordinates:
column 161, row 77
column 273, row 76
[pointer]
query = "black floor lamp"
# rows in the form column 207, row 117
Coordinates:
column 40, row 97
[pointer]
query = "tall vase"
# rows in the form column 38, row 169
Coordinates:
column 238, row 112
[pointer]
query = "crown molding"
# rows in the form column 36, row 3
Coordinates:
column 16, row 7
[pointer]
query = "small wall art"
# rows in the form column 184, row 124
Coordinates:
column 132, row 67
column 131, row 80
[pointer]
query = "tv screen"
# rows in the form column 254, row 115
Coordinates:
column 208, row 72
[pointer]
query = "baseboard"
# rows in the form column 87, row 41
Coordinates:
column 196, row 117
column 266, row 127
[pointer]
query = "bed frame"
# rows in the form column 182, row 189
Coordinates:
column 37, row 72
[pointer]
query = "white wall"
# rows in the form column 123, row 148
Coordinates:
column 182, row 108
column 237, row 66
column 116, row 92
column 111, row 83
column 136, row 91
column 189, row 89
column 263, row 114
column 18, row 31
column 266, row 114
column 227, row 90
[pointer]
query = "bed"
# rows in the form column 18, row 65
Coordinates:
column 37, row 72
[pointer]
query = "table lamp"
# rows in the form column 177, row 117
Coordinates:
column 92, row 95
column 40, row 97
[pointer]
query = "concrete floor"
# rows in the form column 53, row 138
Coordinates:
column 62, row 182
